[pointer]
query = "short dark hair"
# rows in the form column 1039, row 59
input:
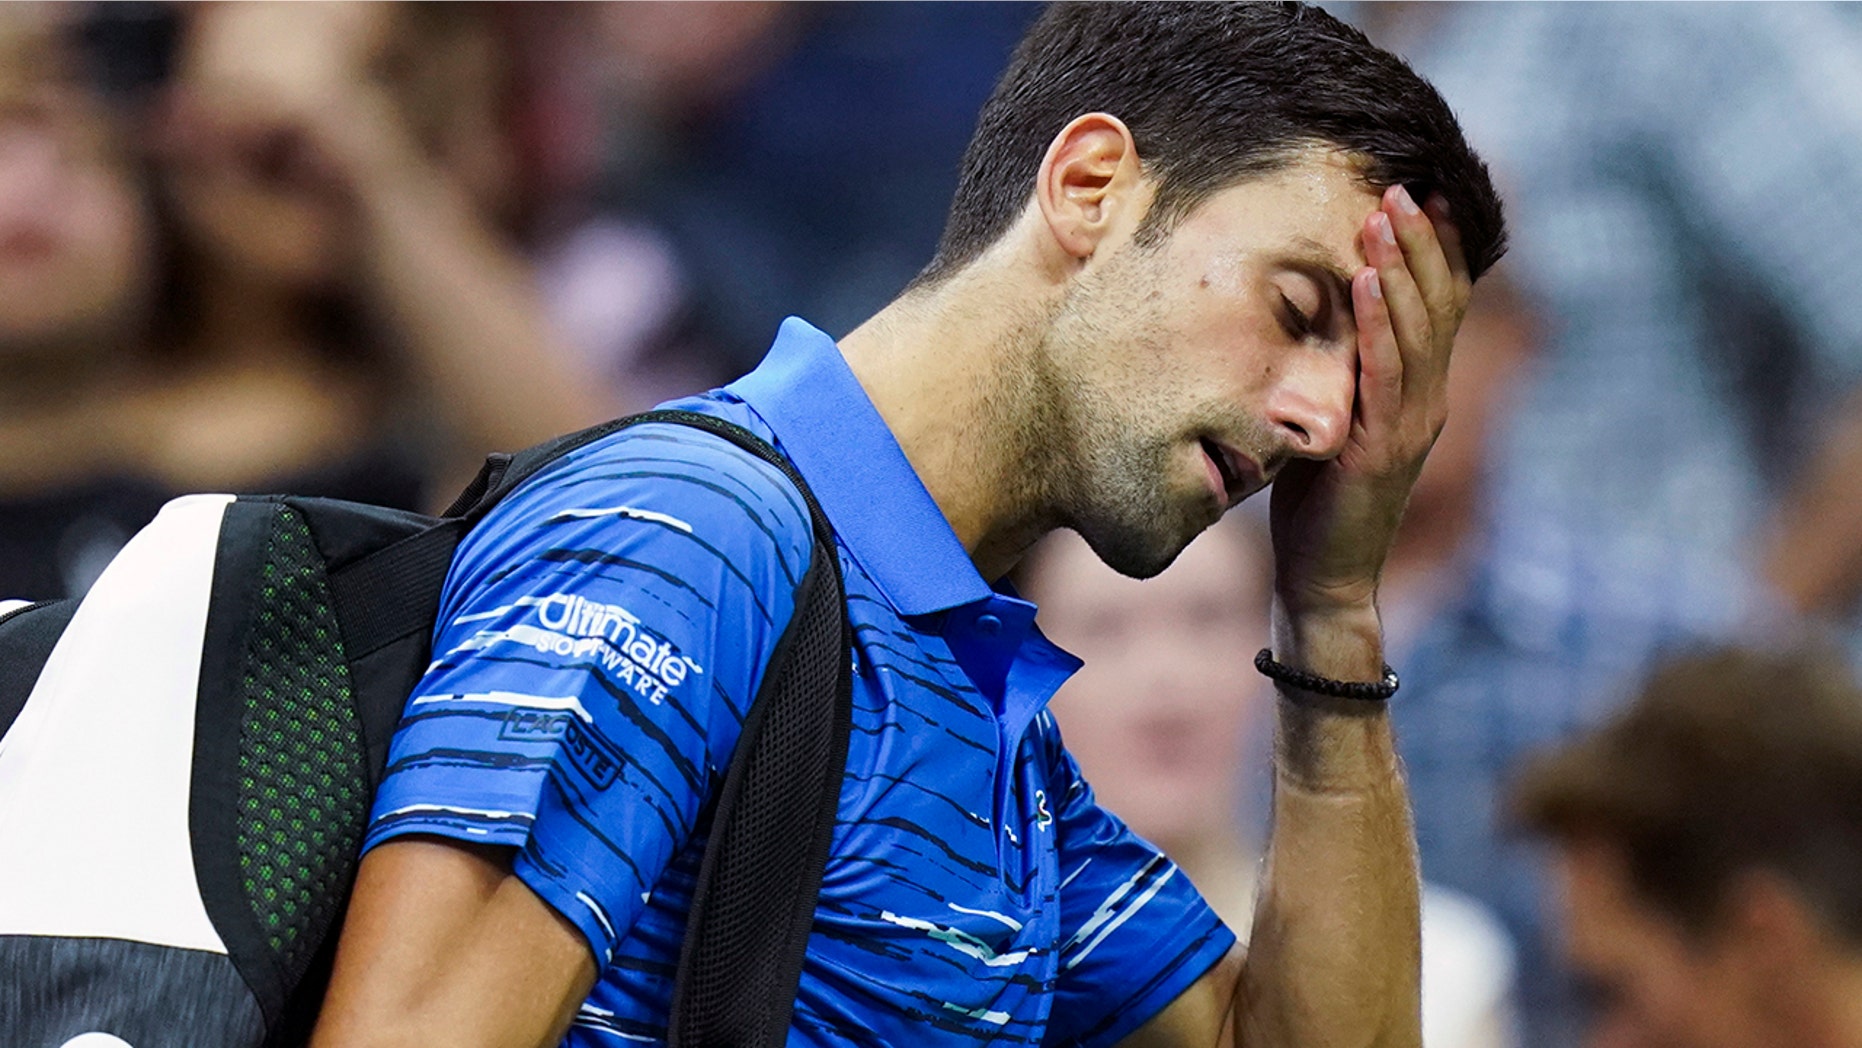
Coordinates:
column 1730, row 761
column 1213, row 93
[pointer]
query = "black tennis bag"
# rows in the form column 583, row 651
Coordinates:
column 190, row 751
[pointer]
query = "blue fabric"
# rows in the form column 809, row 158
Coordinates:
column 601, row 635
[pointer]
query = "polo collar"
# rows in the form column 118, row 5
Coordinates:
column 834, row 435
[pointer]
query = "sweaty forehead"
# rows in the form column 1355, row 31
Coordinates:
column 1312, row 209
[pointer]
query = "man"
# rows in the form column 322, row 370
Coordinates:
column 1180, row 263
column 1709, row 842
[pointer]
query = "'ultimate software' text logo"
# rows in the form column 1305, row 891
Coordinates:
column 572, row 626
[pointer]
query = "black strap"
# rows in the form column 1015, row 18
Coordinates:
column 394, row 591
column 503, row 472
column 393, row 594
column 754, row 904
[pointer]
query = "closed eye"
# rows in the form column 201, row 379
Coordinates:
column 1299, row 326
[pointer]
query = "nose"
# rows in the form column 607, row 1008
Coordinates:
column 1311, row 407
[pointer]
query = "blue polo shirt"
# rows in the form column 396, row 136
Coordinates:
column 600, row 636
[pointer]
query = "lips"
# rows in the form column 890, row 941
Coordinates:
column 1226, row 470
column 1236, row 471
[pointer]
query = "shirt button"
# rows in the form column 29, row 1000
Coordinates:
column 988, row 625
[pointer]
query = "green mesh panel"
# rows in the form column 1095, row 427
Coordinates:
column 303, row 784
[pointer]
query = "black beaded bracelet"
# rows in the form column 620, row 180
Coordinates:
column 1363, row 691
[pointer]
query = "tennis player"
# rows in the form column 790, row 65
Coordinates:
column 1195, row 249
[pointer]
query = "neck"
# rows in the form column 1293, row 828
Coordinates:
column 953, row 370
column 43, row 381
column 62, row 408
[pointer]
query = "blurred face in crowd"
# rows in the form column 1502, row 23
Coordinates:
column 74, row 234
column 291, row 115
column 1159, row 716
column 1191, row 369
column 1655, row 984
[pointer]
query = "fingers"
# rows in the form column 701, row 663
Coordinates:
column 1432, row 264
column 1426, row 254
column 1408, row 310
column 1380, row 356
column 1449, row 236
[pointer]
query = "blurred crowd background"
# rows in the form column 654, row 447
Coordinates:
column 347, row 249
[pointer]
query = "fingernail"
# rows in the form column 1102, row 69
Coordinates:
column 1405, row 202
column 1376, row 286
column 1438, row 206
column 1385, row 231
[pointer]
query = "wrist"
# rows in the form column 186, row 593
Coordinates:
column 1292, row 681
column 1331, row 633
column 1304, row 597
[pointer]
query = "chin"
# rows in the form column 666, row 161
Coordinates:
column 1142, row 551
column 1144, row 510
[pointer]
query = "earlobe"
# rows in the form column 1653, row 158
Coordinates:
column 1088, row 185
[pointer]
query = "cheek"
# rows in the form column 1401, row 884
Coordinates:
column 116, row 239
column 1233, row 340
column 1673, row 1002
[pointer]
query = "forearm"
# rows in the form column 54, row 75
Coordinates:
column 463, row 309
column 431, row 271
column 457, row 301
column 1335, row 955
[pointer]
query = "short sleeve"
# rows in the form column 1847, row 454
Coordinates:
column 1134, row 932
column 601, row 634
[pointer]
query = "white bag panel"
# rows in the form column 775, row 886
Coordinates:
column 94, row 775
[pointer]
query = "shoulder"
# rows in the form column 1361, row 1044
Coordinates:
column 663, row 488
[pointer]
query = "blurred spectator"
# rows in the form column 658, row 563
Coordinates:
column 1169, row 720
column 1682, row 460
column 1672, row 174
column 78, row 272
column 312, row 289
column 347, row 187
column 767, row 159
column 1710, row 847
column 620, row 285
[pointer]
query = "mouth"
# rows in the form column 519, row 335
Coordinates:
column 1235, row 473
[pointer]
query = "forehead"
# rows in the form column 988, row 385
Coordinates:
column 1312, row 208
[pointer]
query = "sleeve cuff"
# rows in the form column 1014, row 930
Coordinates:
column 578, row 906
column 1164, row 987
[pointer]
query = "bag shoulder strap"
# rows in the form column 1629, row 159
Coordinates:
column 754, row 903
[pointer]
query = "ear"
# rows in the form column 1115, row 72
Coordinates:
column 1090, row 186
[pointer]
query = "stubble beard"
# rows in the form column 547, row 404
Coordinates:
column 1108, row 477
